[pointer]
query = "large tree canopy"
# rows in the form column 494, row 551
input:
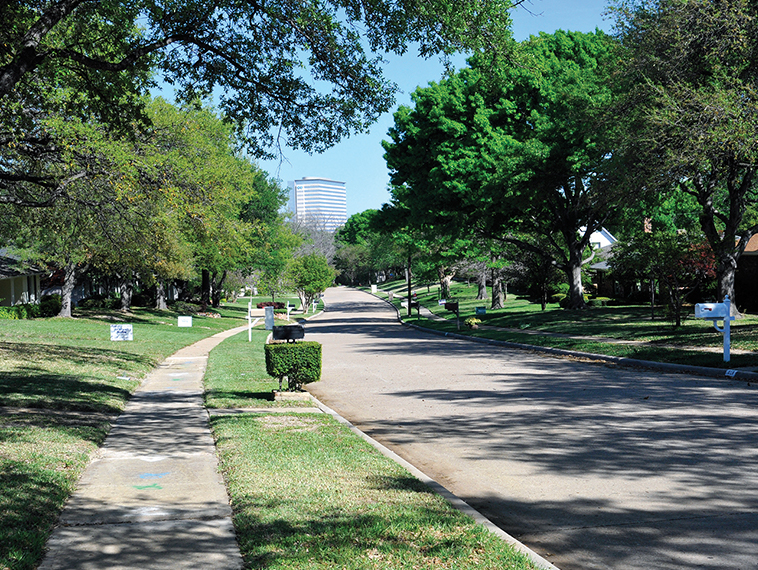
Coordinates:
column 518, row 150
column 280, row 67
column 692, row 113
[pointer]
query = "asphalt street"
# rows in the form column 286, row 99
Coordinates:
column 590, row 465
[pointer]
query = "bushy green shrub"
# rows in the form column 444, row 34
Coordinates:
column 143, row 299
column 599, row 302
column 26, row 311
column 99, row 302
column 50, row 305
column 184, row 308
column 299, row 362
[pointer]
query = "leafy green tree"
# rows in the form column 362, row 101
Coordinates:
column 691, row 113
column 310, row 275
column 677, row 260
column 519, row 149
column 365, row 252
column 305, row 73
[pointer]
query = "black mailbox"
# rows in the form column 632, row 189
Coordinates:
column 452, row 307
column 290, row 333
column 414, row 305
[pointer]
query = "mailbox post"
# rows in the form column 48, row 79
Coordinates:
column 453, row 306
column 718, row 312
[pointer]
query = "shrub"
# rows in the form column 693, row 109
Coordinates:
column 275, row 304
column 599, row 302
column 184, row 308
column 300, row 362
column 143, row 299
column 50, row 305
column 557, row 298
column 99, row 302
column 472, row 322
column 26, row 311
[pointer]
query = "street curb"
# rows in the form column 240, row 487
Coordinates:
column 456, row 502
column 620, row 360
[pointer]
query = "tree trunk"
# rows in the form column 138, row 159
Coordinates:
column 67, row 290
column 726, row 271
column 160, row 295
column 126, row 288
column 497, row 290
column 573, row 270
column 481, row 282
column 409, row 275
column 445, row 280
column 205, row 292
column 216, row 289
column 652, row 299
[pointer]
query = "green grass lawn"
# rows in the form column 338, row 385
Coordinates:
column 62, row 382
column 625, row 322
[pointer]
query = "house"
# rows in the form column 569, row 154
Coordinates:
column 19, row 281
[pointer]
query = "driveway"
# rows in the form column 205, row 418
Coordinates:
column 590, row 465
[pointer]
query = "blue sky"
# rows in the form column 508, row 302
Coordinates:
column 358, row 161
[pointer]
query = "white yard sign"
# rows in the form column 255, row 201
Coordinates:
column 185, row 321
column 122, row 332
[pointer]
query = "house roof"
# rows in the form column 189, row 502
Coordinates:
column 12, row 266
column 604, row 253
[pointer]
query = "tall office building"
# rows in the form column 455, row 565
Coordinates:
column 320, row 201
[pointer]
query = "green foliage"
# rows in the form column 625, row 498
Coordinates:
column 677, row 260
column 521, row 147
column 96, row 60
column 24, row 311
column 299, row 362
column 472, row 322
column 182, row 308
column 100, row 302
column 310, row 275
column 690, row 113
column 50, row 305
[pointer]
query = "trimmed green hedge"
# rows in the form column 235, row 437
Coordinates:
column 299, row 362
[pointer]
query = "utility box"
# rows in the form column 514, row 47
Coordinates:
column 711, row 311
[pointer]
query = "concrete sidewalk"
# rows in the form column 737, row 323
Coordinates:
column 153, row 496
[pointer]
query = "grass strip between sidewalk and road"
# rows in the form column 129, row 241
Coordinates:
column 236, row 375
column 307, row 493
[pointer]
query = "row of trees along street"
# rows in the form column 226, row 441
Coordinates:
column 97, row 177
column 509, row 165
column 521, row 155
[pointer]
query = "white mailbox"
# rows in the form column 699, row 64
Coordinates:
column 711, row 311
column 718, row 312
